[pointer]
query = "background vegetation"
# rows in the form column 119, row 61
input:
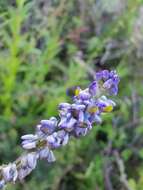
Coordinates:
column 47, row 46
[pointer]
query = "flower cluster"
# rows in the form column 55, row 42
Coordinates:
column 75, row 120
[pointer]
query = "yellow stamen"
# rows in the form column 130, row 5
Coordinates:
column 77, row 91
column 108, row 108
column 41, row 143
column 93, row 109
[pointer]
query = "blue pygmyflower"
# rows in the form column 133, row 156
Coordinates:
column 75, row 120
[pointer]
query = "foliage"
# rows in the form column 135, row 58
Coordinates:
column 49, row 46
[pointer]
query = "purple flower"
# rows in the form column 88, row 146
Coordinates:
column 27, row 164
column 10, row 173
column 32, row 160
column 102, row 75
column 77, row 111
column 48, row 126
column 67, row 123
column 108, row 84
column 82, row 96
column 80, row 131
column 51, row 157
column 110, row 81
column 105, row 74
column 58, row 139
column 29, row 141
column 111, row 86
column 43, row 153
column 64, row 106
column 105, row 104
column 94, row 117
column 2, row 184
column 93, row 88
column 99, row 75
column 97, row 119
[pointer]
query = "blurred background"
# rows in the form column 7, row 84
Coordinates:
column 47, row 46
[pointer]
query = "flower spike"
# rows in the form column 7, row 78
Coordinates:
column 75, row 120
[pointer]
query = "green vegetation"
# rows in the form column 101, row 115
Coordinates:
column 47, row 46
